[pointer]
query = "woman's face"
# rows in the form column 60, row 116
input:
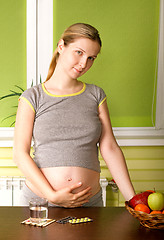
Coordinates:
column 77, row 57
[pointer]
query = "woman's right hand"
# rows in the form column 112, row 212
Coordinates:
column 66, row 198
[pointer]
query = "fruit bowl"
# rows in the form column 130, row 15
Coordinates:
column 153, row 221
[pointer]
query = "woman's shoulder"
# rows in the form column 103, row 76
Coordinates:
column 32, row 96
column 32, row 91
column 94, row 88
column 97, row 91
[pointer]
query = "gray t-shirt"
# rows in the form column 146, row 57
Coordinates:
column 67, row 128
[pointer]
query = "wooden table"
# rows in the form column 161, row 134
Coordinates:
column 109, row 223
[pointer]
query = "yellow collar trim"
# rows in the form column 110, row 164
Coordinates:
column 67, row 95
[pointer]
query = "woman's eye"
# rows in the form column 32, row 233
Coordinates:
column 92, row 58
column 79, row 52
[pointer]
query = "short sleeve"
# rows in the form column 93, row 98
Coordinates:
column 30, row 97
column 101, row 96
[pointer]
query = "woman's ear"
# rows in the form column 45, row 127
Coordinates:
column 60, row 46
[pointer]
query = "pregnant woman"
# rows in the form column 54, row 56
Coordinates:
column 67, row 120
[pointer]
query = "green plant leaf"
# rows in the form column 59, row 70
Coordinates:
column 19, row 88
column 12, row 115
column 12, row 124
column 14, row 106
column 16, row 93
column 6, row 96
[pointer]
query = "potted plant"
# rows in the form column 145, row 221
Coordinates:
column 14, row 93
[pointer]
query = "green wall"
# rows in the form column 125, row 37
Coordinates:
column 125, row 69
column 127, row 63
column 13, row 54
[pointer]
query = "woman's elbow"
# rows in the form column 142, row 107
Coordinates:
column 18, row 155
column 15, row 157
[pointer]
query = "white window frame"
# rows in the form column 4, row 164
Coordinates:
column 39, row 53
column 39, row 39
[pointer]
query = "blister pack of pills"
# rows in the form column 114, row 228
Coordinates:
column 65, row 219
column 74, row 220
column 80, row 220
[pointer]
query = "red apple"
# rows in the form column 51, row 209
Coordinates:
column 140, row 198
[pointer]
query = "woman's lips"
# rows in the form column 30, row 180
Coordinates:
column 77, row 70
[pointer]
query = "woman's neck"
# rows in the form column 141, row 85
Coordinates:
column 61, row 80
column 60, row 85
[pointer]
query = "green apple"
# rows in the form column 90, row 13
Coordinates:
column 156, row 201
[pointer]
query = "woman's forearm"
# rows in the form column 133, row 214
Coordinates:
column 113, row 155
column 33, row 174
column 117, row 166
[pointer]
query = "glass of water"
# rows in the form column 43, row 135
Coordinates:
column 38, row 209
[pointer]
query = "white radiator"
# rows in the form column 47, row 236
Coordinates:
column 10, row 189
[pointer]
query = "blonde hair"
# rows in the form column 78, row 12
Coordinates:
column 75, row 31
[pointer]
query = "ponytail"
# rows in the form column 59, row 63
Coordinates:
column 52, row 64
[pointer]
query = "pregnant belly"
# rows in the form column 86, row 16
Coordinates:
column 61, row 177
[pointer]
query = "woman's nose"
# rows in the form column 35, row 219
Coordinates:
column 83, row 62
